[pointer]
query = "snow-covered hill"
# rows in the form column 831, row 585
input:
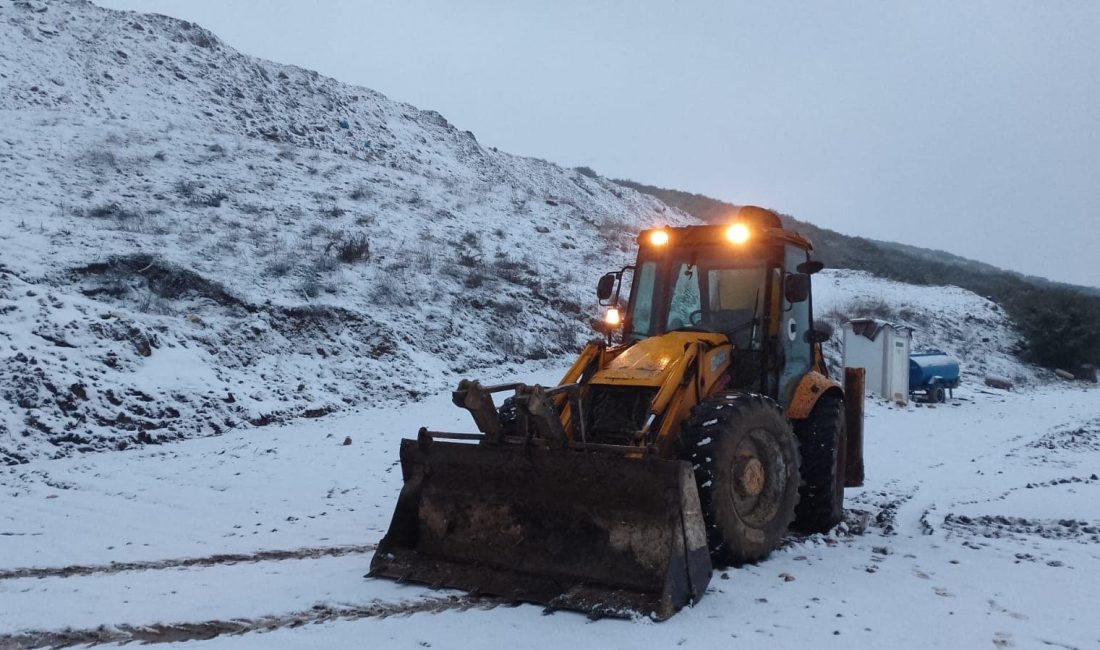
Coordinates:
column 973, row 329
column 194, row 240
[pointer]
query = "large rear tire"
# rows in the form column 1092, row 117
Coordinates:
column 821, row 439
column 746, row 467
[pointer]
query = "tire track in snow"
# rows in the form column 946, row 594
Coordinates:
column 205, row 630
column 210, row 560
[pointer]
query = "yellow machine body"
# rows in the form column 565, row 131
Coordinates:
column 576, row 496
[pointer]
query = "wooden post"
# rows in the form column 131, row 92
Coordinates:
column 853, row 418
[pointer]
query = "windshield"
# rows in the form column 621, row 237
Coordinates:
column 714, row 293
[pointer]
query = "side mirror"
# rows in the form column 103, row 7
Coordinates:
column 606, row 286
column 796, row 287
column 810, row 267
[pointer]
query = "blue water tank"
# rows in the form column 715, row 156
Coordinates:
column 925, row 367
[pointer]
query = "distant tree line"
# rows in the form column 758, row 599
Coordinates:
column 1059, row 323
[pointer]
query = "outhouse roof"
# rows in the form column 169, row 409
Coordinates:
column 870, row 328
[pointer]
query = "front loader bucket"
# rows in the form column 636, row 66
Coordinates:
column 591, row 531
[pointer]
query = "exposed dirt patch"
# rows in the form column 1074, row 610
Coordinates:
column 211, row 560
column 200, row 631
column 1019, row 528
column 1092, row 478
column 119, row 273
column 83, row 385
column 882, row 510
column 1085, row 437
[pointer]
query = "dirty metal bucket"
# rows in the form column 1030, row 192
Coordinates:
column 590, row 531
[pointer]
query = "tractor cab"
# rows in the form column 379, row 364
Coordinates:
column 748, row 281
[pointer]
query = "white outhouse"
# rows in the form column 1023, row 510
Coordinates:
column 882, row 349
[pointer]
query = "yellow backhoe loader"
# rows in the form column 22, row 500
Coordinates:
column 697, row 431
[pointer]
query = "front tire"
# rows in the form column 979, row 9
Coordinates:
column 746, row 467
column 821, row 439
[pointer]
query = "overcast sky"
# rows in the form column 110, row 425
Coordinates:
column 972, row 127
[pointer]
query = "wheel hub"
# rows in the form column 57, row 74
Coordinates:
column 750, row 480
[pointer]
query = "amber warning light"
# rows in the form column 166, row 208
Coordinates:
column 738, row 233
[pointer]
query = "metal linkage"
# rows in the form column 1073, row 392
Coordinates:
column 478, row 400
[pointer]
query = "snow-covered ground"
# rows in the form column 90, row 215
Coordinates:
column 979, row 524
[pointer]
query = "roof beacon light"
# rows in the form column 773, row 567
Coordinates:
column 738, row 233
column 658, row 237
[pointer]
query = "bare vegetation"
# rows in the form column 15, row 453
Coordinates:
column 361, row 192
column 100, row 159
column 280, row 266
column 186, row 188
column 209, row 200
column 111, row 211
column 354, row 249
column 333, row 212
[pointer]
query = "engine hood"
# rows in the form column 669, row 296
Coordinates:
column 649, row 361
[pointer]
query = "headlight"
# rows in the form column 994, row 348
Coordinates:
column 612, row 317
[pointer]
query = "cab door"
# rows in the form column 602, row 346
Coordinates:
column 794, row 326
